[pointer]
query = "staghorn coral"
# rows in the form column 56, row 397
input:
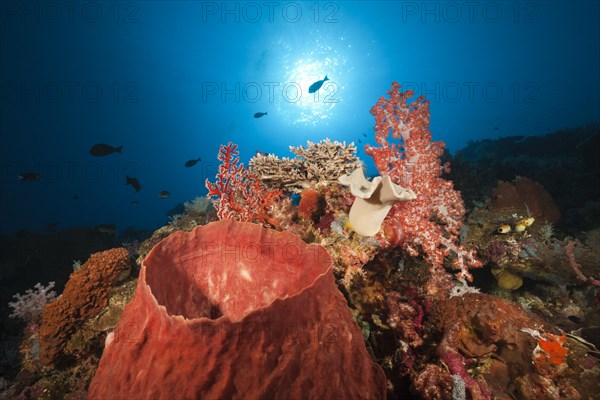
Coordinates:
column 85, row 295
column 317, row 164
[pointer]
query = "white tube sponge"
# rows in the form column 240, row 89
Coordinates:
column 374, row 200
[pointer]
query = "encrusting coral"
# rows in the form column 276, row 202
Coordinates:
column 317, row 164
column 84, row 296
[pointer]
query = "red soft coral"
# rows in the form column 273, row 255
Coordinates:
column 431, row 223
column 238, row 194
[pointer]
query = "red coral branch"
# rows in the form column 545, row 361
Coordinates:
column 432, row 221
column 239, row 194
column 577, row 267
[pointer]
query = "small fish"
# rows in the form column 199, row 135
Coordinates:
column 133, row 182
column 260, row 153
column 495, row 128
column 523, row 224
column 260, row 114
column 317, row 85
column 134, row 203
column 75, row 197
column 191, row 163
column 109, row 229
column 28, row 176
column 527, row 221
column 164, row 194
column 503, row 229
column 359, row 141
column 101, row 150
column 51, row 227
column 520, row 227
column 364, row 134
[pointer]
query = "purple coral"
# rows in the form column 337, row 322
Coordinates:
column 30, row 306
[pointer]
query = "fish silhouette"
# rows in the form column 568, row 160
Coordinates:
column 191, row 163
column 317, row 85
column 28, row 176
column 101, row 150
column 133, row 182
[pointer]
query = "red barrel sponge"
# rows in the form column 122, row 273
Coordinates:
column 233, row 310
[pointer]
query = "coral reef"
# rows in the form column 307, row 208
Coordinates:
column 84, row 296
column 257, row 312
column 295, row 339
column 564, row 162
column 317, row 164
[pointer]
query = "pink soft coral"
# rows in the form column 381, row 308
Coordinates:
column 238, row 194
column 432, row 221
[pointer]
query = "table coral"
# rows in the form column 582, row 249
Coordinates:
column 316, row 165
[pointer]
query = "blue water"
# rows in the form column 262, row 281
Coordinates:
column 171, row 81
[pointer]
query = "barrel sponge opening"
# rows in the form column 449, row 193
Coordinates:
column 214, row 272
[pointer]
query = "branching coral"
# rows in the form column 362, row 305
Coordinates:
column 238, row 193
column 30, row 306
column 430, row 223
column 316, row 164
